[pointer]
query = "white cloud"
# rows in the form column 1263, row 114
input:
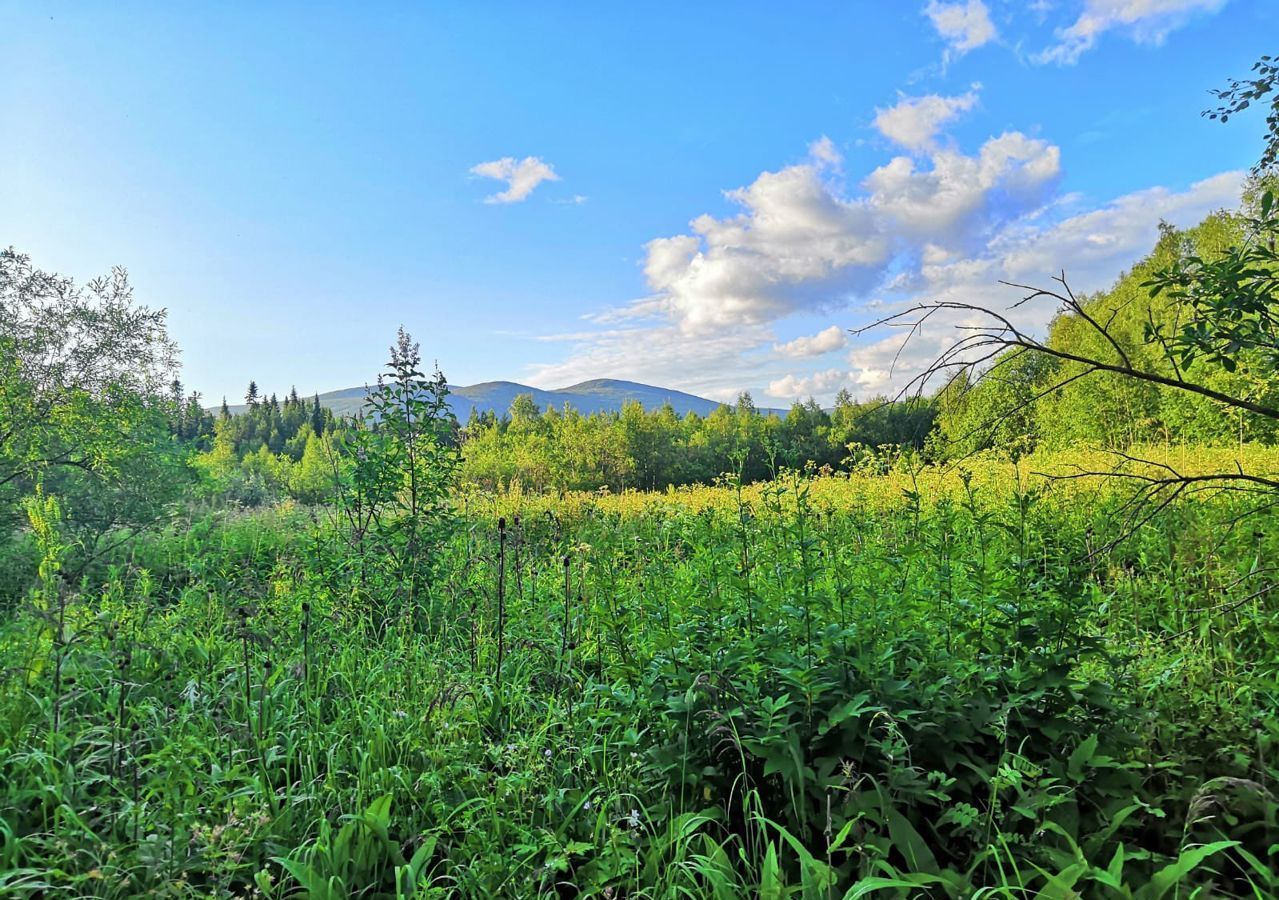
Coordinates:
column 1145, row 21
column 796, row 245
column 825, row 341
column 939, row 224
column 801, row 244
column 965, row 26
column 914, row 121
column 1093, row 247
column 708, row 365
column 957, row 199
column 521, row 176
column 796, row 387
column 886, row 365
column 824, row 152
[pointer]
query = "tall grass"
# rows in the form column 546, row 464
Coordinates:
column 920, row 683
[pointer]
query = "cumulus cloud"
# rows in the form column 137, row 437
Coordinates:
column 796, row 387
column 797, row 244
column 913, row 122
column 958, row 198
column 521, row 176
column 801, row 244
column 1145, row 21
column 964, row 26
column 805, row 242
column 825, row 341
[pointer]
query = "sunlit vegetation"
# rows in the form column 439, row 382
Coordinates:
column 905, row 679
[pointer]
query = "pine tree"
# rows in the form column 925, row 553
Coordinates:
column 175, row 398
column 251, row 395
column 317, row 417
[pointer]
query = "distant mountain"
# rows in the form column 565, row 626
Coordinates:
column 597, row 395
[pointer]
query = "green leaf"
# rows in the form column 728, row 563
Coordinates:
column 909, row 841
column 1062, row 885
column 1172, row 874
column 1082, row 755
column 771, row 885
column 878, row 883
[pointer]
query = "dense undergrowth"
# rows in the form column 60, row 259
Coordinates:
column 908, row 684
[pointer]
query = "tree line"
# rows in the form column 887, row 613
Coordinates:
column 1021, row 402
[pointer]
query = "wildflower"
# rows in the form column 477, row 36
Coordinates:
column 634, row 818
column 547, row 752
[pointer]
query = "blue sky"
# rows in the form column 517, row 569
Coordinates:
column 703, row 196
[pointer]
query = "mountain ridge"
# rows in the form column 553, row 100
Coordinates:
column 590, row 396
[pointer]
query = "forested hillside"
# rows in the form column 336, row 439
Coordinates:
column 1006, row 412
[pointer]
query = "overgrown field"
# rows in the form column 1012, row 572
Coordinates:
column 912, row 684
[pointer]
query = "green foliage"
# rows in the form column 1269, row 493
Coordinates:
column 998, row 413
column 1197, row 310
column 1240, row 94
column 84, row 372
column 654, row 449
column 394, row 480
column 1228, row 301
column 805, row 688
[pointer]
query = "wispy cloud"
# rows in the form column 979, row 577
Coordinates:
column 521, row 176
column 1145, row 21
